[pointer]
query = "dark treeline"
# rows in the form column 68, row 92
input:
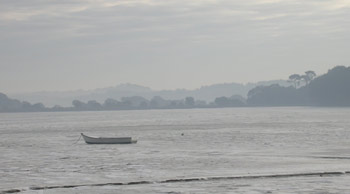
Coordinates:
column 138, row 103
column 12, row 105
column 157, row 102
column 330, row 89
column 126, row 103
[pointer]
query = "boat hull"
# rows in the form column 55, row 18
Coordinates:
column 108, row 140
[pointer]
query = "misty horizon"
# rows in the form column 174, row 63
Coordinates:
column 185, row 96
column 143, row 86
column 71, row 45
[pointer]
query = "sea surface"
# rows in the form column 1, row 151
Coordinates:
column 231, row 150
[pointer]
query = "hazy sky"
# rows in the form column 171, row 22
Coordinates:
column 167, row 44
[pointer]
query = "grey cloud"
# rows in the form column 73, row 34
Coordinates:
column 129, row 35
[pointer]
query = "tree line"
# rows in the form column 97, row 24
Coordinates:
column 330, row 89
column 126, row 103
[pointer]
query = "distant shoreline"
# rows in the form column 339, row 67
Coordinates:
column 329, row 90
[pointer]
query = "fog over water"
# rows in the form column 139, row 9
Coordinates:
column 222, row 96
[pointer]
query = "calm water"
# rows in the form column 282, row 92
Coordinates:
column 41, row 149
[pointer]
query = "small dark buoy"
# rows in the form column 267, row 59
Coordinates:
column 182, row 134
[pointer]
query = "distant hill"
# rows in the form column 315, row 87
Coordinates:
column 330, row 89
column 206, row 93
column 13, row 105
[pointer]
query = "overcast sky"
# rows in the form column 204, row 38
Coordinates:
column 59, row 45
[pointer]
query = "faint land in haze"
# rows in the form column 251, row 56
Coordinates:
column 205, row 93
column 330, row 89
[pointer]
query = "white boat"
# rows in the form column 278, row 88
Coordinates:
column 108, row 140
